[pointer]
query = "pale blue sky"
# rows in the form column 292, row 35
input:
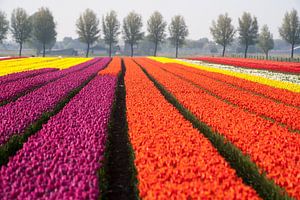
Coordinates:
column 198, row 13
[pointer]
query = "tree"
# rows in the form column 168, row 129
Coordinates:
column 43, row 28
column 88, row 28
column 110, row 26
column 132, row 25
column 156, row 28
column 223, row 31
column 20, row 27
column 34, row 43
column 178, row 32
column 248, row 30
column 3, row 26
column 265, row 40
column 290, row 29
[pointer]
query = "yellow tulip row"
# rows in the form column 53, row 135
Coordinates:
column 26, row 64
column 273, row 83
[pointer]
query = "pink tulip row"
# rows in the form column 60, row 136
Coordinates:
column 18, row 115
column 15, row 88
column 61, row 160
column 21, row 75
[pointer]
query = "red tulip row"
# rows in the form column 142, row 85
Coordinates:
column 279, row 112
column 284, row 96
column 173, row 160
column 256, row 64
column 114, row 67
column 273, row 148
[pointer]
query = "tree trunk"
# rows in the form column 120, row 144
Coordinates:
column 87, row 50
column 20, row 50
column 224, row 47
column 267, row 55
column 246, row 50
column 292, row 54
column 131, row 50
column 176, row 50
column 155, row 49
column 110, row 49
column 44, row 49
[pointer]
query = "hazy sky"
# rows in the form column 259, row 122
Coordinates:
column 198, row 13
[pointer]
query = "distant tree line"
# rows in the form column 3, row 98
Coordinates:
column 223, row 32
column 39, row 30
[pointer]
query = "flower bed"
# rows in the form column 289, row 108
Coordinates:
column 173, row 160
column 273, row 148
column 62, row 159
column 278, row 112
column 21, row 75
column 21, row 86
column 20, row 114
column 256, row 64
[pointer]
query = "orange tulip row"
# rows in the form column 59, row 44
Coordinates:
column 173, row 160
column 284, row 96
column 113, row 68
column 279, row 112
column 273, row 148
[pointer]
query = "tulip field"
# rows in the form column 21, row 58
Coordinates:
column 149, row 128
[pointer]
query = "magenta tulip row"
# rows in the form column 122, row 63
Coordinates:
column 15, row 88
column 18, row 115
column 62, row 159
column 21, row 75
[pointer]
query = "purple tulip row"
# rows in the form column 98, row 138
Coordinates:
column 13, row 89
column 62, row 159
column 18, row 115
column 21, row 75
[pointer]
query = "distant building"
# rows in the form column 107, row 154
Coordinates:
column 62, row 52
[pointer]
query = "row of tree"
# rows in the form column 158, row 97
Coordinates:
column 223, row 32
column 40, row 30
column 88, row 29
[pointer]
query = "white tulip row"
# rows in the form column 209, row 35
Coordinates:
column 257, row 72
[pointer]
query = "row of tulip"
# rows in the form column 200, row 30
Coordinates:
column 23, row 64
column 114, row 67
column 292, row 78
column 257, row 79
column 26, row 64
column 262, row 106
column 21, row 86
column 173, row 160
column 253, row 63
column 279, row 95
column 21, row 75
column 273, row 148
column 20, row 114
column 62, row 159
